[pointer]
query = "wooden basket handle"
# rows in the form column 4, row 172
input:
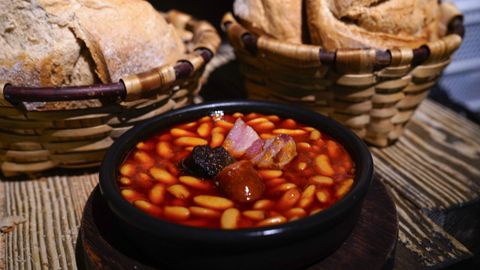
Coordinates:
column 205, row 44
column 17, row 94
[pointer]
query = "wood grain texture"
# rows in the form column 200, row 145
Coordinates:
column 419, row 234
column 435, row 164
column 2, row 236
column 52, row 207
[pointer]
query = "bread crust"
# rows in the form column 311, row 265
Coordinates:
column 126, row 37
column 80, row 42
column 280, row 19
column 379, row 24
column 39, row 49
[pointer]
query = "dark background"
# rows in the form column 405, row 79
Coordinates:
column 210, row 10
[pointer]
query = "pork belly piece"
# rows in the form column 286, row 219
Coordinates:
column 274, row 153
column 255, row 149
column 240, row 138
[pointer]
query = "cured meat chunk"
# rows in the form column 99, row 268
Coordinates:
column 240, row 138
column 273, row 153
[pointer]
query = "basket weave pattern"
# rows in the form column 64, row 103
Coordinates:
column 36, row 136
column 359, row 88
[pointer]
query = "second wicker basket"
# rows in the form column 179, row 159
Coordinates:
column 373, row 92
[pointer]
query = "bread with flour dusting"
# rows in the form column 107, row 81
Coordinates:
column 381, row 24
column 280, row 19
column 78, row 42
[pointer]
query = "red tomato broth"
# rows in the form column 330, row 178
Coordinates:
column 302, row 176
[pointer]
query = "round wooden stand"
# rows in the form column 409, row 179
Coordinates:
column 371, row 244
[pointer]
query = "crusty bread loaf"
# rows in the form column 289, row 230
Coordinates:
column 77, row 42
column 37, row 50
column 126, row 37
column 280, row 19
column 372, row 23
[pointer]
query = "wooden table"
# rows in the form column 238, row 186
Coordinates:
column 432, row 172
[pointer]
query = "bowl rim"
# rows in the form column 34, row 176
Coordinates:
column 175, row 232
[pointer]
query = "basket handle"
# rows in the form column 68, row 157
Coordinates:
column 111, row 92
column 17, row 94
column 205, row 43
column 353, row 59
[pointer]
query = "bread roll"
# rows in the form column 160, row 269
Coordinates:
column 280, row 19
column 78, row 42
column 372, row 23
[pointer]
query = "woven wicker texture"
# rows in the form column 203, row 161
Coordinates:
column 36, row 136
column 373, row 92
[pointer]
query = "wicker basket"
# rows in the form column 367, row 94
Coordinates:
column 372, row 92
column 71, row 127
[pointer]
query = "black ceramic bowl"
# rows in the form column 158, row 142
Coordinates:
column 292, row 245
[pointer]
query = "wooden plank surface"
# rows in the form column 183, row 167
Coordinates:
column 52, row 207
column 436, row 163
column 425, row 239
column 2, row 235
column 423, row 169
